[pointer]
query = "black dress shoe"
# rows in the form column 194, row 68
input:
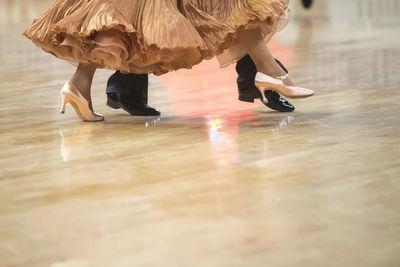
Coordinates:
column 246, row 70
column 127, row 103
column 275, row 101
column 307, row 3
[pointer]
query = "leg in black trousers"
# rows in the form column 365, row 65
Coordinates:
column 130, row 92
column 248, row 91
column 307, row 3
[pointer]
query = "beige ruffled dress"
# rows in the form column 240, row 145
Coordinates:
column 152, row 36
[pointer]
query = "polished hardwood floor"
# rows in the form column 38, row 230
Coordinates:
column 212, row 181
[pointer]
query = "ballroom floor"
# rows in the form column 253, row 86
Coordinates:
column 212, row 182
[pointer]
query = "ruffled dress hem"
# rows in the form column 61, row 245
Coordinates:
column 151, row 36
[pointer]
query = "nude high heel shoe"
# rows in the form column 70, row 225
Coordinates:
column 265, row 82
column 70, row 94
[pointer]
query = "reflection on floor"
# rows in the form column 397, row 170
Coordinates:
column 213, row 181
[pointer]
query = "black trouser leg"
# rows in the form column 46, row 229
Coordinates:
column 134, row 85
column 130, row 92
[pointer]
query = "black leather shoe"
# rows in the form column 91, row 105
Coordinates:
column 307, row 3
column 246, row 70
column 275, row 101
column 125, row 102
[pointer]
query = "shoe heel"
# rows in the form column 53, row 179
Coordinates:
column 249, row 95
column 262, row 89
column 249, row 99
column 63, row 103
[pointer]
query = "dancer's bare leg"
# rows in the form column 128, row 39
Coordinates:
column 77, row 92
column 258, row 50
column 83, row 78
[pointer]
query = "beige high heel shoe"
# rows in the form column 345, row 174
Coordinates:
column 70, row 94
column 264, row 82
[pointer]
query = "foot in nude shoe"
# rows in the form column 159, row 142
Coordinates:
column 266, row 82
column 83, row 108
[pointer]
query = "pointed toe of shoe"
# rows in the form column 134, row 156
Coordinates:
column 94, row 117
column 299, row 92
column 98, row 117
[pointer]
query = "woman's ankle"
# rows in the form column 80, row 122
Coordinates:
column 275, row 72
column 82, row 78
column 83, row 85
column 272, row 71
